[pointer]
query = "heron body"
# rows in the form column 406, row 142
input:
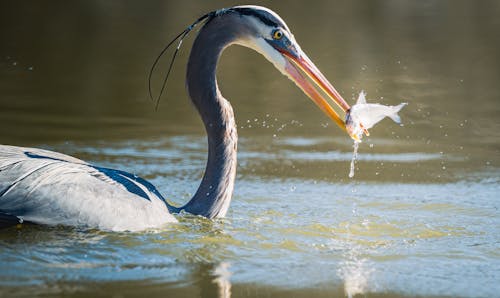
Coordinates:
column 46, row 187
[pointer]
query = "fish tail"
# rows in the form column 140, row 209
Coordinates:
column 395, row 109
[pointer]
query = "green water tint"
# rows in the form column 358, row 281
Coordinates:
column 365, row 238
column 420, row 218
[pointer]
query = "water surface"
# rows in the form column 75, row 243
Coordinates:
column 419, row 218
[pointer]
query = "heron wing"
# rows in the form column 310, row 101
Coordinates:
column 52, row 188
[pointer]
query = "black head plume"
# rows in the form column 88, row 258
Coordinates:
column 180, row 37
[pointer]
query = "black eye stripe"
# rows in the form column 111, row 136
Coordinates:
column 263, row 16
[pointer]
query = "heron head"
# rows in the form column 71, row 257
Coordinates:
column 268, row 34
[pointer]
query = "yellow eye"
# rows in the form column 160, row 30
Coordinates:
column 277, row 34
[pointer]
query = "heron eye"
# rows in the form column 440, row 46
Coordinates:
column 277, row 34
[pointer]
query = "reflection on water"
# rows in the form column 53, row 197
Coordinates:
column 222, row 275
column 355, row 274
column 354, row 269
column 420, row 218
column 283, row 235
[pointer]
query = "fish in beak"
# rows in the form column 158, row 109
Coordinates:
column 363, row 116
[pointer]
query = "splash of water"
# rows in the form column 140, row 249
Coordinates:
column 354, row 158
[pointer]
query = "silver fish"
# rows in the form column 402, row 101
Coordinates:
column 363, row 116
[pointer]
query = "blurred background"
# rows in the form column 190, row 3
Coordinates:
column 78, row 70
column 424, row 202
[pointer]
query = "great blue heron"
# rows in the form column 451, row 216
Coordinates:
column 46, row 187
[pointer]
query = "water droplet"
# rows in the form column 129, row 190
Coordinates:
column 354, row 157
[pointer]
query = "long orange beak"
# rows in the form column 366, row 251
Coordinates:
column 303, row 63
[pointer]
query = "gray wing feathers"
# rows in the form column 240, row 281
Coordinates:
column 52, row 188
column 11, row 152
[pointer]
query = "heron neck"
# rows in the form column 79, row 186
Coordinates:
column 214, row 194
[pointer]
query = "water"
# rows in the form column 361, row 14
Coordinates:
column 355, row 147
column 420, row 218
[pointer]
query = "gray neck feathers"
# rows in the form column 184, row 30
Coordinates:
column 214, row 194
